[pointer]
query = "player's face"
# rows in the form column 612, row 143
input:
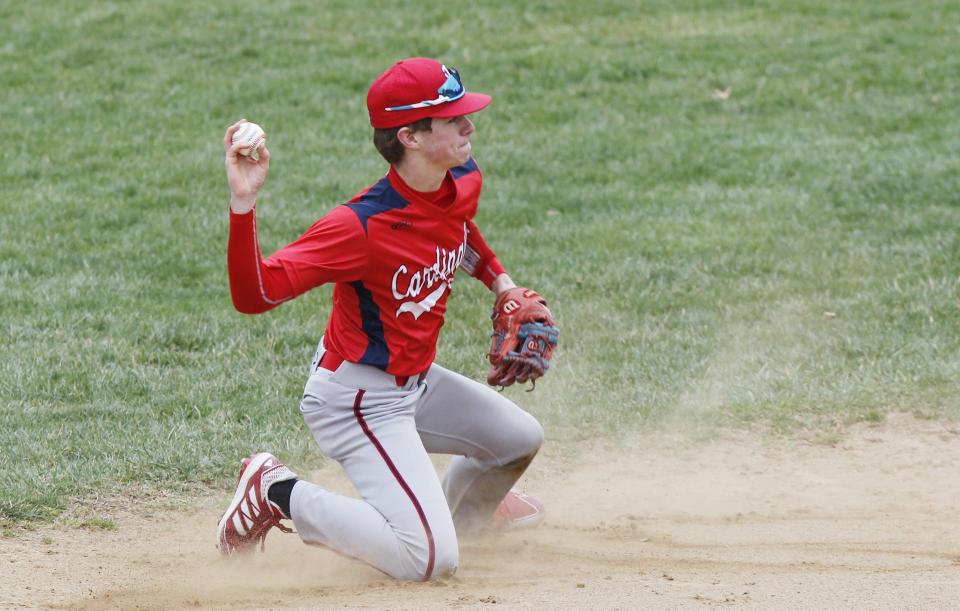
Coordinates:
column 447, row 144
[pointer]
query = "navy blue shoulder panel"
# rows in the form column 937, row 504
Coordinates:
column 468, row 168
column 381, row 197
column 377, row 352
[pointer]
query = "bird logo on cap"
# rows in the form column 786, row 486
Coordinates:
column 451, row 90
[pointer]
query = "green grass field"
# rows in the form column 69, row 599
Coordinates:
column 744, row 214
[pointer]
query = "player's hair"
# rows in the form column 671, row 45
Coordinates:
column 389, row 146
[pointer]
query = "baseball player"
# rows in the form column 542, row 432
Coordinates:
column 375, row 400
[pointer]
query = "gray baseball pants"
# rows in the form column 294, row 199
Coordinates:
column 406, row 521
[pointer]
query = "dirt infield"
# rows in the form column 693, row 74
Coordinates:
column 870, row 521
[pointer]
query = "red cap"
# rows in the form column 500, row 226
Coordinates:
column 418, row 88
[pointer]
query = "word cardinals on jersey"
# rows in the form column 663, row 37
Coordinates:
column 441, row 272
column 392, row 253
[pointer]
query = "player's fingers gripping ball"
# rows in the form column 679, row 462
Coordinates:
column 524, row 336
column 252, row 136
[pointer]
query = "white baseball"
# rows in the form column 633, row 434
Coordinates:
column 251, row 135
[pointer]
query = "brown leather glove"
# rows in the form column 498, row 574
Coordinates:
column 524, row 336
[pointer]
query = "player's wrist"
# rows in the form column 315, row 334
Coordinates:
column 502, row 283
column 242, row 205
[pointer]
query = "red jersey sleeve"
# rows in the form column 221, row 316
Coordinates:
column 479, row 259
column 334, row 249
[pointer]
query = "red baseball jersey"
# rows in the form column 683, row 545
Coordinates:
column 392, row 252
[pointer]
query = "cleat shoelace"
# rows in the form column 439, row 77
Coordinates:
column 274, row 521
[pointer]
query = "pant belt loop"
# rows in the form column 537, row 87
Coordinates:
column 402, row 380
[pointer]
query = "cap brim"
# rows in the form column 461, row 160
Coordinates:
column 470, row 102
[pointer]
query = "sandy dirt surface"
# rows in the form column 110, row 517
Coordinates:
column 870, row 521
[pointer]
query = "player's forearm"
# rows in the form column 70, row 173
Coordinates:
column 253, row 287
column 480, row 261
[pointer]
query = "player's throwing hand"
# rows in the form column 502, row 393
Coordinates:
column 245, row 175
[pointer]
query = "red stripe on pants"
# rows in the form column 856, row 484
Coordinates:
column 431, row 550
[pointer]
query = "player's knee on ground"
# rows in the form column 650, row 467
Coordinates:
column 420, row 566
column 447, row 560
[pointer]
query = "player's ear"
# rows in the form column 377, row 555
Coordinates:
column 408, row 138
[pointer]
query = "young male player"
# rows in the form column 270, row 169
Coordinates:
column 375, row 400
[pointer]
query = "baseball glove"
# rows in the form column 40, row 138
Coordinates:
column 524, row 336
